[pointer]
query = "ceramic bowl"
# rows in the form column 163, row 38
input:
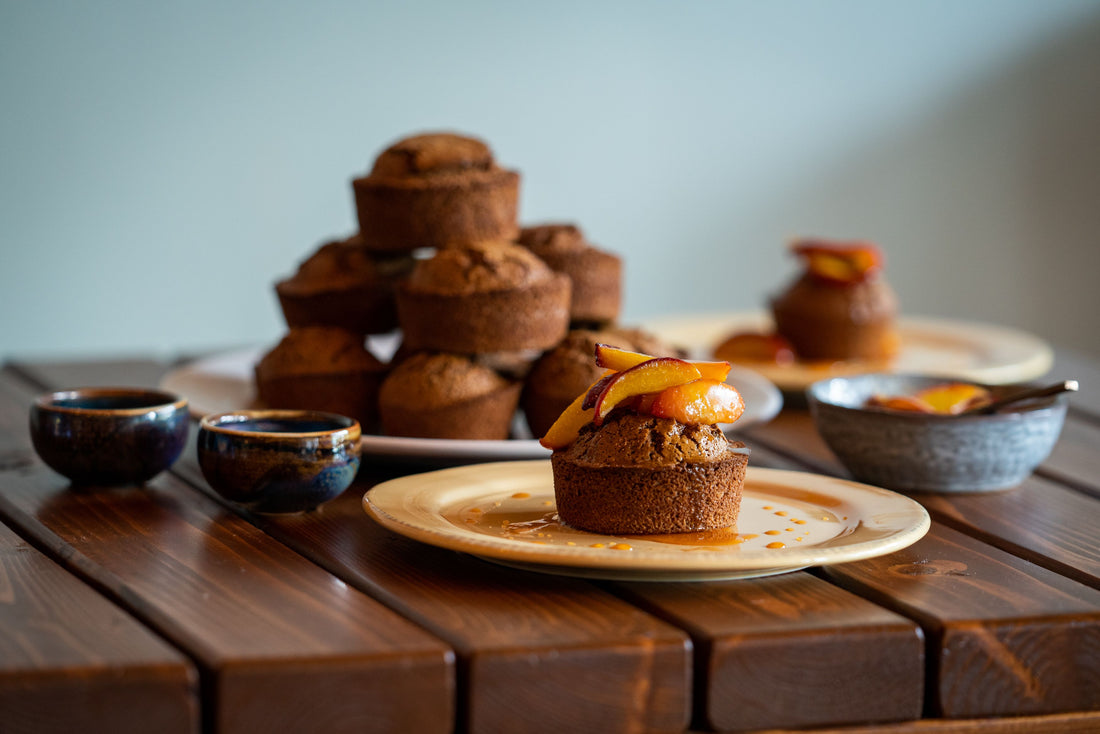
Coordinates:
column 105, row 436
column 278, row 460
column 919, row 451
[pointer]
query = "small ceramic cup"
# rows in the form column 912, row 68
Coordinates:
column 106, row 436
column 277, row 461
column 925, row 452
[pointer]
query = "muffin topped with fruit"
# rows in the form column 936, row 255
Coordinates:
column 641, row 452
column 839, row 308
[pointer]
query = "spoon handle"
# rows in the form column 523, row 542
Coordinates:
column 1027, row 394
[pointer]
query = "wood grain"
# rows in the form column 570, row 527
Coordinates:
column 1075, row 723
column 1005, row 636
column 280, row 643
column 71, row 660
column 1075, row 460
column 535, row 653
column 791, row 651
column 1040, row 521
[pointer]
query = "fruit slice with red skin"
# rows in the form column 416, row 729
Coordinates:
column 653, row 375
column 840, row 263
column 698, row 402
column 568, row 425
column 620, row 360
column 755, row 346
column 954, row 397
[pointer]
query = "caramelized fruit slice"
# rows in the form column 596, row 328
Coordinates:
column 565, row 429
column 621, row 360
column 899, row 402
column 954, row 397
column 568, row 425
column 653, row 375
column 842, row 263
column 699, row 401
column 753, row 346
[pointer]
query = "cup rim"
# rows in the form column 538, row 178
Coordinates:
column 159, row 400
column 346, row 426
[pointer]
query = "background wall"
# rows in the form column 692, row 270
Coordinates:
column 162, row 164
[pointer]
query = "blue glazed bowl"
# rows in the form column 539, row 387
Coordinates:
column 278, row 460
column 107, row 436
column 925, row 452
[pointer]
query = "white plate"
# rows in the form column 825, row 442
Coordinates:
column 504, row 512
column 994, row 355
column 224, row 382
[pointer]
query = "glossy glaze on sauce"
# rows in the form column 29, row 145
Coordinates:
column 772, row 517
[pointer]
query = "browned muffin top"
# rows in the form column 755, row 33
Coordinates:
column 478, row 268
column 569, row 368
column 313, row 350
column 343, row 264
column 549, row 238
column 429, row 380
column 432, row 154
column 867, row 301
column 631, row 439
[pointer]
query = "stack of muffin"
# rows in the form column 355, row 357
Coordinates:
column 490, row 315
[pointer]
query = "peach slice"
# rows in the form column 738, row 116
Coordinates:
column 699, row 401
column 753, row 346
column 653, row 375
column 567, row 427
column 899, row 402
column 840, row 263
column 954, row 397
column 621, row 360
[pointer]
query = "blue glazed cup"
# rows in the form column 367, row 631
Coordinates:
column 278, row 461
column 108, row 436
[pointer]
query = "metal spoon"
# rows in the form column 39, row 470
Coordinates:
column 1026, row 394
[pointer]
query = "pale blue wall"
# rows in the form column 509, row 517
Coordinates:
column 162, row 164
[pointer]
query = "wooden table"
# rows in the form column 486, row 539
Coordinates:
column 164, row 609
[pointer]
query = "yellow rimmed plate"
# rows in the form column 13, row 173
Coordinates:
column 504, row 512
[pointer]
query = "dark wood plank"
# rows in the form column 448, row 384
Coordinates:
column 596, row 655
column 1075, row 459
column 1040, row 521
column 1075, row 723
column 72, row 661
column 1005, row 636
column 536, row 653
column 281, row 644
column 792, row 651
column 791, row 434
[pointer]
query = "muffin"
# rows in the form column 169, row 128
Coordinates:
column 840, row 307
column 640, row 452
column 433, row 190
column 596, row 275
column 440, row 395
column 566, row 371
column 341, row 284
column 321, row 368
column 641, row 475
column 491, row 296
